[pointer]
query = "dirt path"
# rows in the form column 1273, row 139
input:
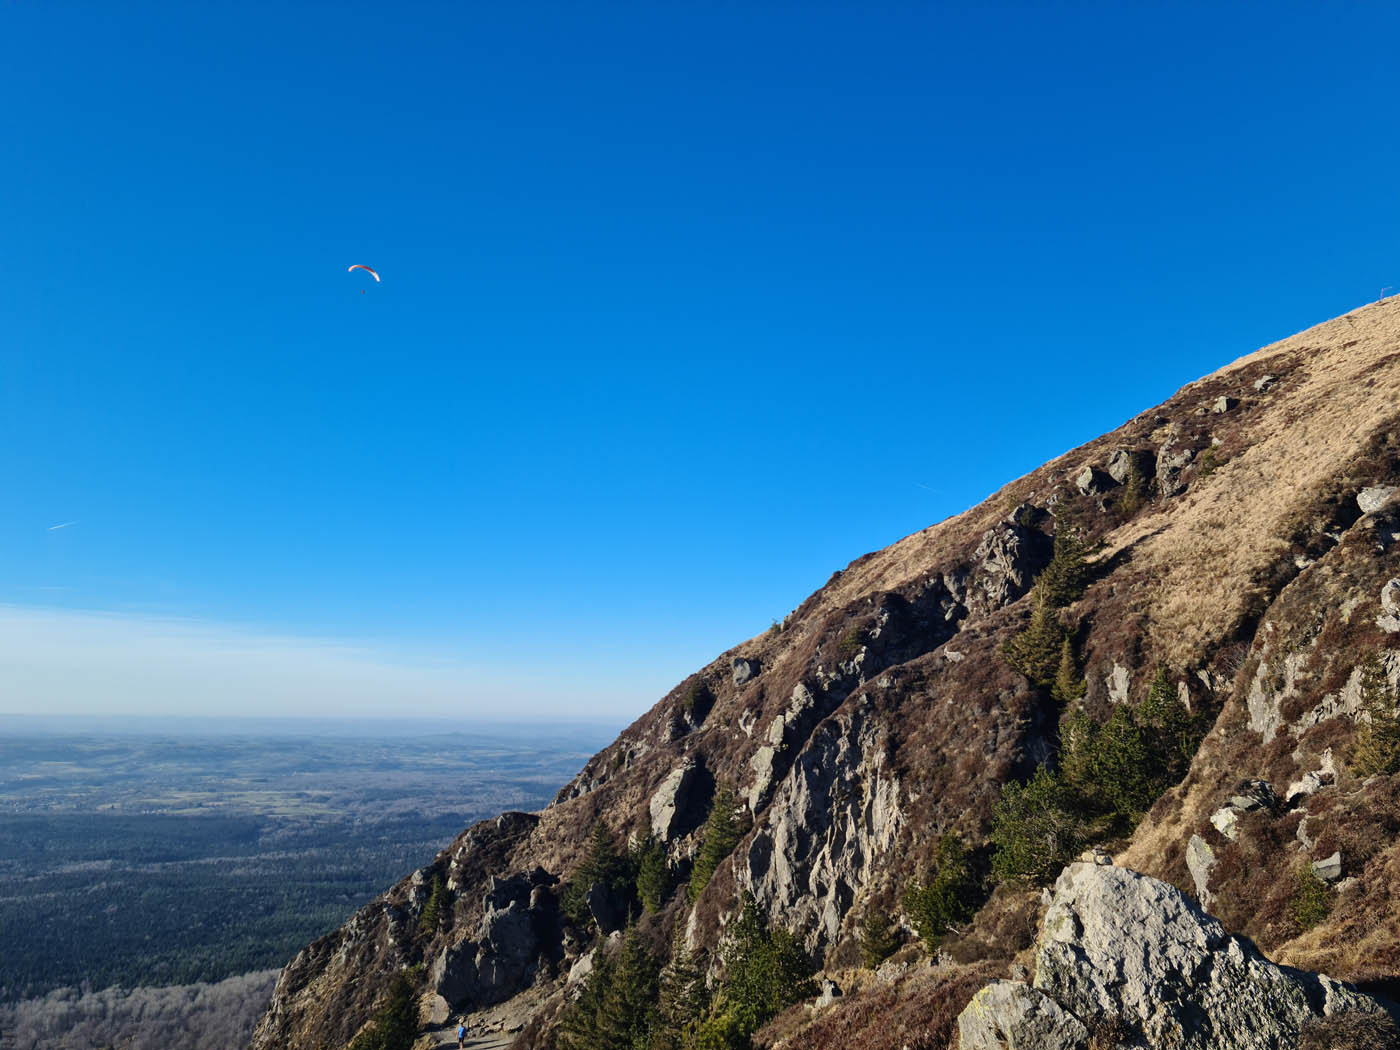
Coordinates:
column 444, row 1038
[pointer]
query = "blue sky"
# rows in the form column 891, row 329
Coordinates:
column 684, row 306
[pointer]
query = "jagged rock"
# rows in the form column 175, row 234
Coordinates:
column 1226, row 821
column 1306, row 785
column 581, row 968
column 744, row 670
column 1223, row 404
column 1009, row 1015
column 1006, row 559
column 834, row 814
column 1200, row 858
column 1389, row 620
column 1264, row 382
column 1329, row 869
column 1376, row 498
column 1170, row 463
column 1118, row 681
column 671, row 800
column 1304, row 834
column 1254, row 794
column 789, row 726
column 831, row 991
column 1093, row 482
column 1115, row 942
column 1123, row 461
column 608, row 912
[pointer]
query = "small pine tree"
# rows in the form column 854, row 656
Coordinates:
column 1312, row 900
column 877, row 940
column 684, row 996
column 653, row 873
column 1064, row 579
column 1377, row 747
column 602, row 864
column 1175, row 730
column 582, row 1025
column 1134, row 490
column 722, row 833
column 1035, row 830
column 1035, row 652
column 395, row 1024
column 948, row 895
column 1068, row 685
column 436, row 908
column 765, row 971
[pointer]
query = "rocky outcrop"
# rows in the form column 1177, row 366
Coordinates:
column 1117, row 944
column 834, row 814
column 496, row 962
column 672, row 800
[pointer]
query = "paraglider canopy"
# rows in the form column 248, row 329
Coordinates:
column 367, row 270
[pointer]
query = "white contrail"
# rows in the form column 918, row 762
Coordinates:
column 62, row 525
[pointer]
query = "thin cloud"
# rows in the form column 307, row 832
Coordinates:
column 61, row 525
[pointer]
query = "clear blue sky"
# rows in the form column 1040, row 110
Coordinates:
column 684, row 306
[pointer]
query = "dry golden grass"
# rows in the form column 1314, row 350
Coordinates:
column 1209, row 553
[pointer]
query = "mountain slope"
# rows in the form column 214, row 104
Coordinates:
column 883, row 715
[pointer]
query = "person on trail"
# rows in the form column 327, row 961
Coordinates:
column 461, row 1035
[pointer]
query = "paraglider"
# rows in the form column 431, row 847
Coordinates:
column 367, row 270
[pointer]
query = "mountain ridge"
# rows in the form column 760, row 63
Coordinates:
column 882, row 714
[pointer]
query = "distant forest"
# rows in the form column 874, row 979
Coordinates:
column 144, row 859
column 189, row 1017
column 98, row 901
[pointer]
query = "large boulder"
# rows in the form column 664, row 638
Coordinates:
column 1117, row 943
column 1009, row 1015
column 670, row 802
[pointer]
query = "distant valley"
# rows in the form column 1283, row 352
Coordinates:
column 134, row 857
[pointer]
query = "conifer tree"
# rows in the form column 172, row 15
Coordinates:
column 947, row 896
column 1175, row 731
column 1064, row 579
column 684, row 996
column 603, row 864
column 721, row 835
column 1035, row 652
column 877, row 941
column 653, row 873
column 1068, row 685
column 435, row 909
column 1035, row 830
column 765, row 970
column 1377, row 747
column 395, row 1024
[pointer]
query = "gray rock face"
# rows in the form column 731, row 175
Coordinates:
column 1264, row 382
column 1200, row 858
column 500, row 960
column 834, row 814
column 671, row 800
column 744, row 670
column 1170, row 463
column 1375, row 498
column 1123, row 461
column 1009, row 1015
column 608, row 912
column 1006, row 561
column 1093, row 482
column 1389, row 619
column 1330, row 869
column 1116, row 942
column 1224, row 404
